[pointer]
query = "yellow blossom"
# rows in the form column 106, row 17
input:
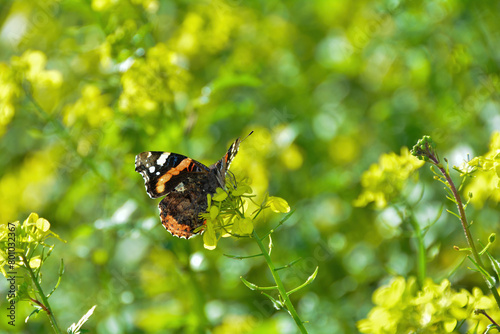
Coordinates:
column 401, row 307
column 485, row 183
column 384, row 181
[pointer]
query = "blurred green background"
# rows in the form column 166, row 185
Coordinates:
column 327, row 86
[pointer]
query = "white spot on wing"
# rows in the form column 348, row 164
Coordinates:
column 162, row 159
column 152, row 169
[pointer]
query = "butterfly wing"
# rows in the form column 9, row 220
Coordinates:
column 222, row 166
column 163, row 171
column 180, row 210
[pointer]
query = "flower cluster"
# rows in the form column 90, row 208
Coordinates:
column 384, row 181
column 485, row 171
column 228, row 213
column 32, row 233
column 153, row 81
column 82, row 112
column 401, row 307
column 29, row 67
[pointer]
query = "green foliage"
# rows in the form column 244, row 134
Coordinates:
column 232, row 212
column 227, row 215
column 76, row 327
column 329, row 87
column 425, row 307
column 30, row 244
column 25, row 248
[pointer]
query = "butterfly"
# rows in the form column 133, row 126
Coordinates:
column 185, row 183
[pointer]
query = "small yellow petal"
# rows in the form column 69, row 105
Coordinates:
column 209, row 239
column 278, row 204
column 35, row 262
column 32, row 219
column 214, row 211
column 450, row 325
column 219, row 195
column 43, row 224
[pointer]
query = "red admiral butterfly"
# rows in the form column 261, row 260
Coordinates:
column 186, row 183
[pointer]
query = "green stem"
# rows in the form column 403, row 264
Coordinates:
column 421, row 252
column 279, row 284
column 465, row 227
column 45, row 301
column 463, row 217
column 422, row 261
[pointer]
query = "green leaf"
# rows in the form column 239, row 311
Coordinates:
column 309, row 280
column 35, row 311
column 253, row 286
column 490, row 281
column 282, row 221
column 288, row 265
column 61, row 273
column 237, row 257
column 75, row 328
column 494, row 263
column 276, row 303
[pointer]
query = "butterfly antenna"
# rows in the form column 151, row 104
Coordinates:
column 246, row 136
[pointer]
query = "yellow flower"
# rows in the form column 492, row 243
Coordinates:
column 482, row 302
column 401, row 307
column 10, row 91
column 92, row 107
column 32, row 66
column 384, row 181
column 152, row 81
column 228, row 213
column 278, row 205
column 486, row 176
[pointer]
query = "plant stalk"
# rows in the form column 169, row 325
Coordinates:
column 421, row 252
column 279, row 284
column 419, row 236
column 45, row 301
column 465, row 227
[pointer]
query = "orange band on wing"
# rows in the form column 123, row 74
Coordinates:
column 160, row 185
